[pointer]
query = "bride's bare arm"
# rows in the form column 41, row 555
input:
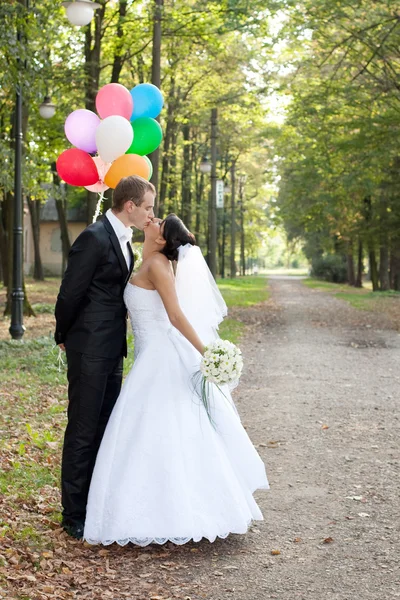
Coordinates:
column 161, row 277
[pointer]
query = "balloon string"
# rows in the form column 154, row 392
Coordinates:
column 98, row 207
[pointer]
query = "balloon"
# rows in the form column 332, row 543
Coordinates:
column 76, row 167
column 114, row 99
column 114, row 136
column 147, row 101
column 80, row 129
column 128, row 164
column 146, row 158
column 102, row 168
column 147, row 136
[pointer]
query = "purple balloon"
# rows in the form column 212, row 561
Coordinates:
column 80, row 129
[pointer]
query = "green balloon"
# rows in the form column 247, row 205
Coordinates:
column 147, row 136
column 146, row 158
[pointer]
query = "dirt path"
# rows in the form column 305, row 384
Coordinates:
column 319, row 400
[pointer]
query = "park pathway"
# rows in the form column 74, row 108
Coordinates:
column 320, row 400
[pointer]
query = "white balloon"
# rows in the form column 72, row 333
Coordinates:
column 114, row 136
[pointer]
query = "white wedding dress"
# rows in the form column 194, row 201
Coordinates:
column 163, row 471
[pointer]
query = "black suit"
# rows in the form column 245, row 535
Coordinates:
column 91, row 322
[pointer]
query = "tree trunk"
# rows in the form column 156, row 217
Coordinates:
column 34, row 211
column 166, row 150
column 119, row 41
column 3, row 243
column 395, row 268
column 242, row 238
column 350, row 265
column 384, row 243
column 173, row 174
column 93, row 38
column 358, row 283
column 10, row 258
column 92, row 57
column 186, row 192
column 62, row 217
column 373, row 269
column 156, row 80
column 199, row 202
column 384, row 268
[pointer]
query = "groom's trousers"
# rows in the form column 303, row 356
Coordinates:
column 94, row 386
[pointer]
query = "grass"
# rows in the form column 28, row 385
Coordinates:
column 240, row 292
column 232, row 330
column 360, row 298
column 32, row 421
column 243, row 291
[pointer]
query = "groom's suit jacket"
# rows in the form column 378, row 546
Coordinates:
column 90, row 311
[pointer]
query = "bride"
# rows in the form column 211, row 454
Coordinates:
column 164, row 471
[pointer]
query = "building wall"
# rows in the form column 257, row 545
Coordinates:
column 50, row 244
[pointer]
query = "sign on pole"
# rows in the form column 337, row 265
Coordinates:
column 219, row 201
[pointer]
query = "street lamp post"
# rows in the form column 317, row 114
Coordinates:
column 79, row 12
column 233, row 220
column 17, row 294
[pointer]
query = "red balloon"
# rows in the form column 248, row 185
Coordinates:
column 77, row 167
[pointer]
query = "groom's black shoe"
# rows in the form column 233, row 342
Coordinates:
column 75, row 530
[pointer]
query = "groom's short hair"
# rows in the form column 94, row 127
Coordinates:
column 131, row 188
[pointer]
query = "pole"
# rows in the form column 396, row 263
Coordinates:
column 223, row 243
column 242, row 240
column 213, row 211
column 233, row 222
column 17, row 295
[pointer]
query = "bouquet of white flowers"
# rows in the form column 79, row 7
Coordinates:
column 221, row 364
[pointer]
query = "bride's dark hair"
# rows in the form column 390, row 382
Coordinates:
column 175, row 234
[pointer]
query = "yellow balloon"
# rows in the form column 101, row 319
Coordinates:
column 125, row 165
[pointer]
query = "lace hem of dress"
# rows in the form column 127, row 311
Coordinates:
column 179, row 541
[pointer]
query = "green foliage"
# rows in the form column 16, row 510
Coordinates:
column 212, row 55
column 361, row 299
column 330, row 267
column 338, row 145
column 31, row 358
column 42, row 308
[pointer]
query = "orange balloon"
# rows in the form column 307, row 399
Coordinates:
column 125, row 165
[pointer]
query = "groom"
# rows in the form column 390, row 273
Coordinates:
column 91, row 327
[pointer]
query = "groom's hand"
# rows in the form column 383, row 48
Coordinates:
column 62, row 347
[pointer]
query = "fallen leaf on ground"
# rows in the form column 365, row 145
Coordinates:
column 328, row 540
column 357, row 498
column 275, row 552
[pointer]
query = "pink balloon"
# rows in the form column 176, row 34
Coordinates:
column 114, row 99
column 102, row 168
column 80, row 129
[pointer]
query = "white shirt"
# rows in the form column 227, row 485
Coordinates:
column 124, row 235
